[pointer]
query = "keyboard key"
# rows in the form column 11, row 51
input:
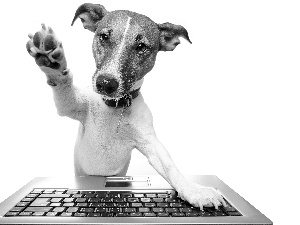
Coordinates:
column 72, row 209
column 107, row 214
column 37, row 191
column 151, row 195
column 205, row 214
column 113, row 195
column 101, row 194
column 90, row 195
column 22, row 204
column 16, row 209
column 72, row 192
column 55, row 199
column 190, row 214
column 126, row 195
column 32, row 195
column 68, row 204
column 172, row 200
column 186, row 210
column 136, row 205
column 55, row 204
column 86, row 210
column 54, row 196
column 40, row 202
column 178, row 214
column 118, row 200
column 115, row 210
column 81, row 200
column 176, row 205
column 149, row 214
column 51, row 214
column 77, row 195
column 129, row 210
column 80, row 214
column 38, row 213
column 171, row 210
column 220, row 214
column 25, row 214
column 38, row 209
column 95, row 204
column 158, row 210
column 58, row 209
column 87, row 192
column 145, row 199
column 149, row 204
column 66, row 214
column 123, row 204
column 158, row 200
column 162, row 195
column 138, row 195
column 94, row 200
column 122, row 214
column 163, row 205
column 27, row 199
column 100, row 210
column 133, row 199
column 136, row 214
column 106, row 200
column 162, row 214
column 69, row 200
column 93, row 214
column 144, row 210
column 12, row 214
column 108, row 205
column 229, row 209
column 82, row 204
column 234, row 214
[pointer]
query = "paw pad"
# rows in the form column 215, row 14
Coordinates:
column 47, row 50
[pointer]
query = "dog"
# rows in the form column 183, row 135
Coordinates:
column 113, row 116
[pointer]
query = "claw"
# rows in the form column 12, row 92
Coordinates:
column 30, row 36
column 43, row 26
column 50, row 30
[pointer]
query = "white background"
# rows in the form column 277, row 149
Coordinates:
column 226, row 105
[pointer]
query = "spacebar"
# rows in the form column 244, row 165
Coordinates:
column 38, row 209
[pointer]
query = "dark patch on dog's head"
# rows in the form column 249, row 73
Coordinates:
column 96, row 11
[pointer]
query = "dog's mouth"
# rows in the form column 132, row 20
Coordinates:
column 121, row 96
column 123, row 102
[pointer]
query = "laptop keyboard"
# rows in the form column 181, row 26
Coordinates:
column 79, row 203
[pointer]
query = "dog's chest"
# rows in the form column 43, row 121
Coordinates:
column 105, row 141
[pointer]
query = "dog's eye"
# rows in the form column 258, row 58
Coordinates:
column 141, row 48
column 103, row 37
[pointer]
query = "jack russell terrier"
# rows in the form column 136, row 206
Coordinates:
column 113, row 116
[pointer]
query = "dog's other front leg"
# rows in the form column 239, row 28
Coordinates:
column 49, row 55
column 161, row 161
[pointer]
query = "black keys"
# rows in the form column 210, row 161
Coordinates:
column 75, row 203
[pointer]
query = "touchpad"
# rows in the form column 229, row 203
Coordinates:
column 128, row 182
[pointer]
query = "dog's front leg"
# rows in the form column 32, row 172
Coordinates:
column 49, row 55
column 160, row 159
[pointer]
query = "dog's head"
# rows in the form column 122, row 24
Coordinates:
column 125, row 46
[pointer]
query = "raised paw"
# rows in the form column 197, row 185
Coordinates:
column 47, row 50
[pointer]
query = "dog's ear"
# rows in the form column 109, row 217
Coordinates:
column 169, row 36
column 90, row 14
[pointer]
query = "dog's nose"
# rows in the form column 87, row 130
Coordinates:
column 106, row 85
